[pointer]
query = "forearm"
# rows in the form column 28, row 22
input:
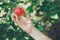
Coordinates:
column 37, row 35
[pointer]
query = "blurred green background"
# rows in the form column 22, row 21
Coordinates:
column 43, row 14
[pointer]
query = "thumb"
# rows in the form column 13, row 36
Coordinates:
column 14, row 17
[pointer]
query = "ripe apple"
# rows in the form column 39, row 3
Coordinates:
column 19, row 11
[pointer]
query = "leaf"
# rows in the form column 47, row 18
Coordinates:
column 40, row 28
column 30, row 9
column 54, row 16
column 6, row 1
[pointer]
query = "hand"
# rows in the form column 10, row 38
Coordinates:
column 26, row 24
column 23, row 22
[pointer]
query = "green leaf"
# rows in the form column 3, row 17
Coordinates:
column 30, row 9
column 54, row 16
column 6, row 1
column 40, row 28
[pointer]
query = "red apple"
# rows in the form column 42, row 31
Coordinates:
column 19, row 11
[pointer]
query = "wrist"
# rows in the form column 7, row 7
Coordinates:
column 30, row 29
column 37, row 35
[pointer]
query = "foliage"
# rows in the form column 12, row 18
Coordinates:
column 42, row 12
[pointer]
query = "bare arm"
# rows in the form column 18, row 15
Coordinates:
column 37, row 35
column 26, row 24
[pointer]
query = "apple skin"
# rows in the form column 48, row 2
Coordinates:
column 19, row 11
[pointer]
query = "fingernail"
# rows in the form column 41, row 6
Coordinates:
column 23, row 18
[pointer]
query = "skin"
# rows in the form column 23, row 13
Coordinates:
column 24, row 23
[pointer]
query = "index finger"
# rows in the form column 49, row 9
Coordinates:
column 26, row 15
